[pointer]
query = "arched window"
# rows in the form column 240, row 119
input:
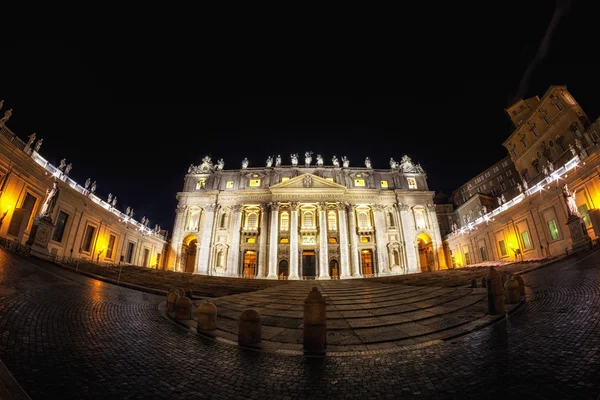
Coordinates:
column 284, row 224
column 224, row 220
column 221, row 258
column 332, row 221
column 252, row 220
column 390, row 219
column 363, row 220
column 308, row 219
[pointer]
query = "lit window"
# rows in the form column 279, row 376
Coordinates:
column 284, row 224
column 284, row 240
column 252, row 221
column 365, row 239
column 553, row 229
column 251, row 240
column 412, row 183
column 308, row 219
column 111, row 247
column 359, row 182
column 285, row 178
column 384, row 184
column 229, row 185
column 254, row 182
column 502, row 248
column 329, row 179
column 332, row 240
column 201, row 184
column 526, row 241
column 332, row 221
column 583, row 210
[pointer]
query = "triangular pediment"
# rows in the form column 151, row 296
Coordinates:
column 308, row 181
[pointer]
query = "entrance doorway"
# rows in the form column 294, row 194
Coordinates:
column 425, row 252
column 249, row 263
column 188, row 255
column 283, row 270
column 309, row 269
column 334, row 269
column 366, row 262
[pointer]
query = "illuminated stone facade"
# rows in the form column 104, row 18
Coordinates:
column 306, row 220
column 82, row 226
column 553, row 145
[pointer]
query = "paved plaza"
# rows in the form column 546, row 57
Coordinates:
column 66, row 335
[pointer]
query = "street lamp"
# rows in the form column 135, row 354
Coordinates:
column 100, row 252
column 4, row 215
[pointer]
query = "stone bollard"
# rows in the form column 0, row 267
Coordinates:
column 206, row 317
column 495, row 292
column 171, row 300
column 181, row 291
column 483, row 283
column 183, row 308
column 511, row 287
column 473, row 283
column 315, row 329
column 250, row 328
column 188, row 293
column 521, row 285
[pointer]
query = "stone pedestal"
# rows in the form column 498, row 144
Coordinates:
column 579, row 236
column 39, row 237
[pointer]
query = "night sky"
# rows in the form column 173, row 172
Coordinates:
column 134, row 114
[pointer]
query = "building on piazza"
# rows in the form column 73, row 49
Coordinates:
column 306, row 220
column 71, row 221
column 556, row 207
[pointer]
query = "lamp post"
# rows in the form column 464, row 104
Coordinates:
column 100, row 252
column 4, row 215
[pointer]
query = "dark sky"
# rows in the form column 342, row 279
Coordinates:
column 134, row 114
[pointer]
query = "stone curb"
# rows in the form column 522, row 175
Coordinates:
column 9, row 387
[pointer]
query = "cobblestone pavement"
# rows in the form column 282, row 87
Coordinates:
column 67, row 336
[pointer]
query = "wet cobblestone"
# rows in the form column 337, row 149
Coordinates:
column 70, row 337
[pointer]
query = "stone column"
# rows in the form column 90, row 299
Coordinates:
column 355, row 270
column 410, row 241
column 323, row 250
column 234, row 254
column 262, row 242
column 206, row 241
column 437, row 240
column 273, row 235
column 293, row 241
column 344, row 256
column 176, row 240
column 382, row 260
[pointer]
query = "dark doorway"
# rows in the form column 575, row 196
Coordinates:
column 283, row 269
column 308, row 264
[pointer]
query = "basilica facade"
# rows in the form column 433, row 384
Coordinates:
column 306, row 220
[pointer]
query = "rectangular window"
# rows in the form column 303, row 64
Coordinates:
column 332, row 240
column 285, row 178
column 496, row 169
column 201, row 184
column 254, row 182
column 129, row 257
column 384, row 184
column 583, row 210
column 500, row 178
column 553, row 229
column 251, row 240
column 329, row 179
column 502, row 248
column 359, row 182
column 512, row 182
column 111, row 247
column 88, row 237
column 525, row 239
column 229, row 185
column 505, row 163
column 412, row 183
column 467, row 258
column 284, row 240
column 503, row 187
column 508, row 173
column 59, row 229
column 494, row 192
column 483, row 254
column 146, row 257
